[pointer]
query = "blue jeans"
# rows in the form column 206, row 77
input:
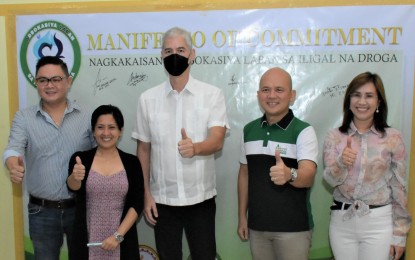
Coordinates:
column 47, row 227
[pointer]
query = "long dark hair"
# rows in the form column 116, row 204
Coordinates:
column 379, row 118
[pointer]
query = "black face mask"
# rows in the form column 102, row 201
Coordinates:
column 176, row 64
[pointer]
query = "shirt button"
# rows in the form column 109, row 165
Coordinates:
column 267, row 133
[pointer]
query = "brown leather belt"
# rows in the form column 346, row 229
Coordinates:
column 338, row 206
column 60, row 204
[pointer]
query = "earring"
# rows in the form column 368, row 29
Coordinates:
column 377, row 109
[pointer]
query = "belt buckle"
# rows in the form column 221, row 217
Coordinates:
column 59, row 204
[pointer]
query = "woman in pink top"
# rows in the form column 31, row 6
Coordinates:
column 364, row 161
column 109, row 188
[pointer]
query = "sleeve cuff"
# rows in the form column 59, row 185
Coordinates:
column 399, row 241
column 340, row 162
column 9, row 153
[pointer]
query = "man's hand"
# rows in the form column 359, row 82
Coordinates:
column 243, row 230
column 16, row 168
column 185, row 146
column 150, row 209
column 279, row 173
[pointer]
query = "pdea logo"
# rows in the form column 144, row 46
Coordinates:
column 49, row 38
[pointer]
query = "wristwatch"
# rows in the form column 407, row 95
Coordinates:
column 118, row 237
column 294, row 175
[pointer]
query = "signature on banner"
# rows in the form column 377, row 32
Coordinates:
column 135, row 78
column 102, row 83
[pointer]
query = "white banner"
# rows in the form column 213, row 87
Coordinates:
column 115, row 57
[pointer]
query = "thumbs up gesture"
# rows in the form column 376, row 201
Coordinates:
column 279, row 173
column 349, row 155
column 185, row 146
column 16, row 168
column 78, row 171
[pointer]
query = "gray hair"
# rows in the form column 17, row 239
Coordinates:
column 177, row 31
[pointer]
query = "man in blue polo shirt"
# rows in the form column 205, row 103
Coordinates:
column 277, row 167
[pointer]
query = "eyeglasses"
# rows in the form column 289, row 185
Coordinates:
column 43, row 81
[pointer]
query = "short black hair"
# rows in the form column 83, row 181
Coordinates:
column 107, row 110
column 54, row 61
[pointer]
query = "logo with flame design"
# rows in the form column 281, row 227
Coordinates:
column 49, row 38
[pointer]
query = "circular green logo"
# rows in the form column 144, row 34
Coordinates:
column 49, row 38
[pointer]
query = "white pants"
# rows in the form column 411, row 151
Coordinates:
column 362, row 238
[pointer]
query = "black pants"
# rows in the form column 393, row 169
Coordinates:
column 198, row 223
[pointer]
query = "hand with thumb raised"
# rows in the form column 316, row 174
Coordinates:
column 78, row 170
column 349, row 155
column 186, row 146
column 279, row 172
column 16, row 168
